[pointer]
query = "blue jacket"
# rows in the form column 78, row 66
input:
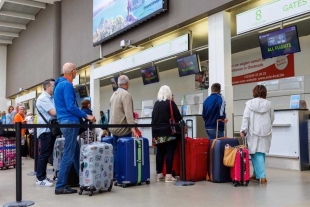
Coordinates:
column 65, row 101
column 213, row 109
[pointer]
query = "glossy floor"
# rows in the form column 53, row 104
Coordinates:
column 284, row 188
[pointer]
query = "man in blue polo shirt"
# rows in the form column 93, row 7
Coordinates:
column 214, row 109
column 68, row 113
column 45, row 105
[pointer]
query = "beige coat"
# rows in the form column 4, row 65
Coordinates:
column 121, row 106
column 257, row 122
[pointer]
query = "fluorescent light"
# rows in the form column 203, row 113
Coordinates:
column 201, row 48
column 107, row 77
column 165, row 59
column 131, row 70
column 285, row 24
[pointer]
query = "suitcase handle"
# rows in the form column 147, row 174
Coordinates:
column 190, row 120
column 217, row 127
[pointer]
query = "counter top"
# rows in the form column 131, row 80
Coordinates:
column 291, row 110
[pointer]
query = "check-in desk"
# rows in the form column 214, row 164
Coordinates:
column 289, row 145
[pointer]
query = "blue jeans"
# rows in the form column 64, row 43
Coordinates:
column 71, row 153
column 258, row 162
column 46, row 150
column 115, row 138
column 211, row 134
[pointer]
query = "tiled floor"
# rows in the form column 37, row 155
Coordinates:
column 284, row 188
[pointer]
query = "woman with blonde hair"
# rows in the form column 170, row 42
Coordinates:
column 165, row 138
column 256, row 126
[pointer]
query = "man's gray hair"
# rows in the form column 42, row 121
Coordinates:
column 122, row 80
column 164, row 93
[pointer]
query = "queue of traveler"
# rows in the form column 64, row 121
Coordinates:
column 58, row 101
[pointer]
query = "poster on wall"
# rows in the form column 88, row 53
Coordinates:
column 255, row 69
column 112, row 17
column 202, row 78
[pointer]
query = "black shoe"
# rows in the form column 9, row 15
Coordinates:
column 65, row 191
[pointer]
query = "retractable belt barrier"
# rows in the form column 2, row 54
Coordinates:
column 19, row 126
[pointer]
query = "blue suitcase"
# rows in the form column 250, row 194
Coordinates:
column 132, row 162
column 219, row 173
column 108, row 140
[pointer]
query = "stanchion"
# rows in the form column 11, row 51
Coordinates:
column 19, row 201
column 183, row 182
column 35, row 154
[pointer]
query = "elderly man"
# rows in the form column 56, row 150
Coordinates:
column 68, row 113
column 121, row 104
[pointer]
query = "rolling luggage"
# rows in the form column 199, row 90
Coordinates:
column 96, row 167
column 132, row 161
column 7, row 152
column 108, row 140
column 240, row 173
column 217, row 172
column 196, row 155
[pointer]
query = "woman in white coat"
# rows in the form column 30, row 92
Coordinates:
column 256, row 125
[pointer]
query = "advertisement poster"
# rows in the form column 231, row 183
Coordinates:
column 113, row 16
column 249, row 70
column 202, row 78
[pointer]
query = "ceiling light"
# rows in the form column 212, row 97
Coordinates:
column 201, row 48
column 165, row 59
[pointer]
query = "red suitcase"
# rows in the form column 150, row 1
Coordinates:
column 240, row 173
column 196, row 155
column 176, row 167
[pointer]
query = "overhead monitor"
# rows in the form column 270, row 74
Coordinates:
column 150, row 75
column 188, row 65
column 281, row 42
column 83, row 91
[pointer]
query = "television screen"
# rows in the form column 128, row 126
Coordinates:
column 150, row 75
column 83, row 91
column 188, row 65
column 112, row 17
column 114, row 83
column 280, row 42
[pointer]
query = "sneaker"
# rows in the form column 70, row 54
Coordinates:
column 170, row 179
column 49, row 180
column 160, row 177
column 44, row 183
column 65, row 191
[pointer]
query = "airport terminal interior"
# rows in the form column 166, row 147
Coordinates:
column 187, row 45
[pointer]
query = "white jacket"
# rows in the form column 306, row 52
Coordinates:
column 257, row 120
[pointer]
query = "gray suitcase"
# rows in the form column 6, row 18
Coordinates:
column 96, row 167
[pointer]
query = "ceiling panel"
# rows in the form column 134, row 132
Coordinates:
column 19, row 8
column 8, row 29
column 14, row 20
column 6, row 38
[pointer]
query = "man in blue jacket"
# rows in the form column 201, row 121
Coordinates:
column 214, row 109
column 68, row 113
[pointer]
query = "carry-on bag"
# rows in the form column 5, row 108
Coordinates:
column 217, row 172
column 7, row 152
column 96, row 167
column 240, row 172
column 132, row 161
column 108, row 140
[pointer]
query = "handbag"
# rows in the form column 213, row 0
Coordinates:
column 54, row 131
column 229, row 156
column 81, row 130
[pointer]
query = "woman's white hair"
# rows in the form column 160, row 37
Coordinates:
column 164, row 93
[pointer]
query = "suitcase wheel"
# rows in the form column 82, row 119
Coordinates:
column 54, row 178
column 90, row 193
column 80, row 192
column 100, row 191
column 124, row 185
column 235, row 184
column 246, row 184
column 148, row 182
column 115, row 184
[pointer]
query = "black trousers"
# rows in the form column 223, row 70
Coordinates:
column 46, row 150
column 167, row 150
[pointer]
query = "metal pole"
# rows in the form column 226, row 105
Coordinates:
column 183, row 181
column 18, row 202
column 18, row 128
column 36, row 151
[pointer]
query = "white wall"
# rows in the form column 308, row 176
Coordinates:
column 179, row 85
column 243, row 92
column 3, row 63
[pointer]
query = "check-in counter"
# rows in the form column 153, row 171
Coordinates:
column 289, row 145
